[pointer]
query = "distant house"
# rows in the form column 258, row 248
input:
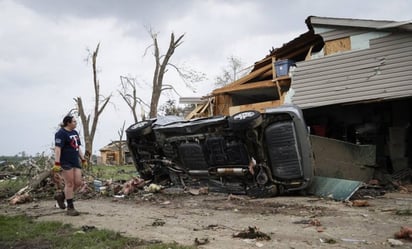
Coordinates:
column 110, row 153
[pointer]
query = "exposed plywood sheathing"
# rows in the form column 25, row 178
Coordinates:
column 255, row 106
column 222, row 104
column 338, row 45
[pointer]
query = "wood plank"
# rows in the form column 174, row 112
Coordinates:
column 193, row 113
column 259, row 84
column 261, row 106
column 243, row 80
column 222, row 104
column 283, row 81
column 268, row 74
column 273, row 68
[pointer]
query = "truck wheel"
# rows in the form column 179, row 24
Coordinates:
column 245, row 120
column 139, row 129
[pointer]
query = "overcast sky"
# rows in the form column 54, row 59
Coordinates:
column 44, row 44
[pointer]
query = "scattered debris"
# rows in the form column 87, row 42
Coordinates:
column 20, row 199
column 199, row 191
column 360, row 203
column 213, row 227
column 158, row 223
column 23, row 196
column 405, row 188
column 373, row 182
column 231, row 197
column 405, row 212
column 327, row 240
column 354, row 240
column 404, row 233
column 133, row 184
column 258, row 244
column 252, row 233
column 202, row 241
column 311, row 222
column 153, row 188
column 87, row 228
column 395, row 242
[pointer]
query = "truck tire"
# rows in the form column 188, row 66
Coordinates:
column 245, row 120
column 139, row 129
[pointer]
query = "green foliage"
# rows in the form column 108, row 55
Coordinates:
column 116, row 173
column 405, row 212
column 23, row 232
column 9, row 187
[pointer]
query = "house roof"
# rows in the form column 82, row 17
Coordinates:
column 312, row 21
column 114, row 146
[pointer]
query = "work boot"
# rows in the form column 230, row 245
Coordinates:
column 59, row 197
column 72, row 212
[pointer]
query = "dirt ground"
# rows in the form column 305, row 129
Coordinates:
column 213, row 219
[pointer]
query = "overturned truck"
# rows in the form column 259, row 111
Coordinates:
column 260, row 154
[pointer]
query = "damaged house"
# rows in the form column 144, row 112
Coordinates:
column 115, row 153
column 353, row 80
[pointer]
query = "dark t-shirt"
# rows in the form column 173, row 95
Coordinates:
column 69, row 142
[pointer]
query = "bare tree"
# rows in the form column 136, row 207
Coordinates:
column 128, row 92
column 120, row 143
column 231, row 73
column 100, row 103
column 162, row 62
column 161, row 68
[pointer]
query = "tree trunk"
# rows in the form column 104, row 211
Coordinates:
column 160, row 69
column 89, row 132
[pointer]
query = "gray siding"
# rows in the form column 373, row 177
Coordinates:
column 384, row 71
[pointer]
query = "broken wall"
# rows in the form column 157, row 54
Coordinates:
column 385, row 125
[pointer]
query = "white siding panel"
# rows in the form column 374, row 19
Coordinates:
column 340, row 33
column 384, row 71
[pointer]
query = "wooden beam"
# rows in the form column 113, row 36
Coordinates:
column 245, row 79
column 193, row 113
column 282, row 81
column 259, row 84
column 273, row 68
column 268, row 74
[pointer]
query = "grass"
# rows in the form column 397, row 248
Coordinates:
column 117, row 173
column 9, row 187
column 24, row 232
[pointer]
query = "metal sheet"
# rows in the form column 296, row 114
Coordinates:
column 337, row 189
